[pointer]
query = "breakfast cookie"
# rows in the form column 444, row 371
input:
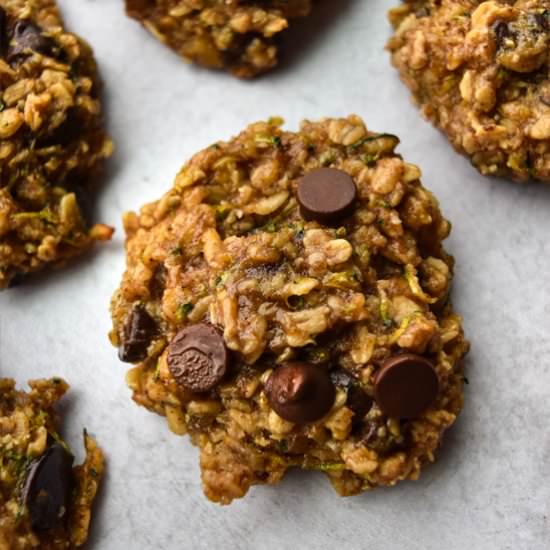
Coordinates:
column 45, row 502
column 286, row 303
column 51, row 140
column 481, row 72
column 240, row 36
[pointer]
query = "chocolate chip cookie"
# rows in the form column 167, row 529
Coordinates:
column 51, row 140
column 286, row 303
column 240, row 36
column 480, row 72
column 45, row 502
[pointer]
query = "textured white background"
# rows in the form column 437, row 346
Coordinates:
column 490, row 488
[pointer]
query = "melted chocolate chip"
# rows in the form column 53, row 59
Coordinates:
column 27, row 36
column 406, row 385
column 198, row 357
column 300, row 392
column 139, row 330
column 47, row 488
column 326, row 195
column 357, row 399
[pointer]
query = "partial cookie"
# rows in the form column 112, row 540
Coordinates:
column 45, row 502
column 52, row 140
column 480, row 72
column 240, row 36
column 287, row 304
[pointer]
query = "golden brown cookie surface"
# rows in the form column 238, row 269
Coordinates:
column 45, row 502
column 480, row 72
column 51, row 139
column 274, row 340
column 237, row 35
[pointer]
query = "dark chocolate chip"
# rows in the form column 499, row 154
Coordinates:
column 502, row 32
column 3, row 30
column 357, row 399
column 158, row 282
column 47, row 488
column 326, row 195
column 198, row 357
column 28, row 36
column 539, row 21
column 374, row 435
column 139, row 330
column 66, row 133
column 300, row 392
column 370, row 432
column 406, row 385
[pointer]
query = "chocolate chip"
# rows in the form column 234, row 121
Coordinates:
column 47, row 488
column 326, row 195
column 357, row 399
column 300, row 392
column 139, row 330
column 3, row 30
column 28, row 36
column 406, row 385
column 374, row 435
column 502, row 32
column 539, row 21
column 370, row 431
column 198, row 357
column 66, row 133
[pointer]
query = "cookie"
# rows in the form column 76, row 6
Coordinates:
column 286, row 303
column 51, row 140
column 479, row 71
column 239, row 36
column 45, row 501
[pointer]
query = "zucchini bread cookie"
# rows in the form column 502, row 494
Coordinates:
column 45, row 502
column 51, row 139
column 240, row 36
column 481, row 72
column 287, row 304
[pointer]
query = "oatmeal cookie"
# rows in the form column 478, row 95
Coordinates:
column 240, row 36
column 286, row 303
column 480, row 72
column 45, row 502
column 51, row 139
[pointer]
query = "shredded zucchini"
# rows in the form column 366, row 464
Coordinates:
column 414, row 285
column 329, row 466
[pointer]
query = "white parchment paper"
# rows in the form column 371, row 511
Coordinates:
column 490, row 488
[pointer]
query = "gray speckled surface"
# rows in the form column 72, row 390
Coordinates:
column 488, row 491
